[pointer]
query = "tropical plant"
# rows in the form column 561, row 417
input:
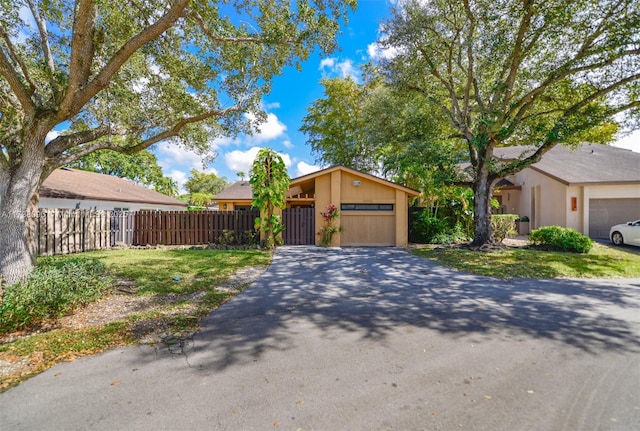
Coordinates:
column 270, row 181
column 329, row 227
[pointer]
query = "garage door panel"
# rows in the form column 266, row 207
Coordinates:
column 604, row 213
column 368, row 230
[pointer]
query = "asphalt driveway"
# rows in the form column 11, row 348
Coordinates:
column 367, row 339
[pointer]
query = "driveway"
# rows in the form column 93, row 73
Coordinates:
column 367, row 339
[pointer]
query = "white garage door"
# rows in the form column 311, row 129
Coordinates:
column 604, row 213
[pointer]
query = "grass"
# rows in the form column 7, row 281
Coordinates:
column 602, row 261
column 185, row 283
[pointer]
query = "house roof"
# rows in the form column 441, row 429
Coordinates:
column 373, row 178
column 586, row 164
column 241, row 190
column 67, row 183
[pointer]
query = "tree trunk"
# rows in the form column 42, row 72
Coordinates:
column 18, row 209
column 482, row 192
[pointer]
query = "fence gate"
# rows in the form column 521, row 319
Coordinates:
column 299, row 226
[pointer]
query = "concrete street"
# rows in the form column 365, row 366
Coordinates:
column 367, row 339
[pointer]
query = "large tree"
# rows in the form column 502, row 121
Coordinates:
column 141, row 168
column 201, row 182
column 510, row 72
column 125, row 75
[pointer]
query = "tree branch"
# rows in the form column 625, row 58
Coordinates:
column 74, row 102
column 63, row 143
column 16, row 58
column 17, row 86
column 44, row 39
column 81, row 46
column 64, row 158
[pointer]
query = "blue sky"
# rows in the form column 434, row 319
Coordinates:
column 293, row 92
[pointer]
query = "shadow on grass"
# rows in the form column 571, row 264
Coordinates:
column 373, row 292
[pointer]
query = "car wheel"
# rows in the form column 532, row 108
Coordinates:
column 617, row 239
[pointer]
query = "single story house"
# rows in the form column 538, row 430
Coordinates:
column 373, row 211
column 589, row 188
column 68, row 188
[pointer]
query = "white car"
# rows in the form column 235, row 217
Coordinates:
column 626, row 233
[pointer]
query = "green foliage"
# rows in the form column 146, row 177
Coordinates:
column 200, row 200
column 140, row 168
column 270, row 181
column 203, row 183
column 53, row 289
column 516, row 73
column 502, row 226
column 329, row 228
column 427, row 228
column 560, row 239
column 231, row 238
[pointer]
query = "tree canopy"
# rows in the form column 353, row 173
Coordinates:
column 201, row 182
column 125, row 75
column 533, row 72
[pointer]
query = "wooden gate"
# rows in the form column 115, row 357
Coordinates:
column 299, row 226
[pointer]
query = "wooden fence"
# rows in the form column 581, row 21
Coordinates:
column 189, row 228
column 62, row 231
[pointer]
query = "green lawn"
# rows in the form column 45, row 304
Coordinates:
column 184, row 285
column 602, row 261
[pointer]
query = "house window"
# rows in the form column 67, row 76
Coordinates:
column 366, row 207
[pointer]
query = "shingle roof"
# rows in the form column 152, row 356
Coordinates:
column 240, row 190
column 586, row 164
column 67, row 183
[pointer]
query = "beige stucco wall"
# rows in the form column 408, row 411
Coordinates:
column 388, row 227
column 553, row 200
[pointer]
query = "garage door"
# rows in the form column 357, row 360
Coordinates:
column 604, row 213
column 368, row 229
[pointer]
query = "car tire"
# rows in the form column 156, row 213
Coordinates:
column 616, row 238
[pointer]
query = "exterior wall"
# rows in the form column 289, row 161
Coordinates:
column 553, row 200
column 231, row 205
column 543, row 199
column 387, row 227
column 104, row 205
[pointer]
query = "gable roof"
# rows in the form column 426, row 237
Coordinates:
column 410, row 192
column 67, row 183
column 584, row 165
column 240, row 190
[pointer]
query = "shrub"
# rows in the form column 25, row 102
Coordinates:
column 53, row 289
column 560, row 239
column 455, row 235
column 502, row 226
column 426, row 227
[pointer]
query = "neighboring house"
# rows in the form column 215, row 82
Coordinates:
column 373, row 211
column 588, row 189
column 76, row 189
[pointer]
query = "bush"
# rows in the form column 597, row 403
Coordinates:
column 560, row 239
column 426, row 227
column 54, row 288
column 502, row 226
column 455, row 235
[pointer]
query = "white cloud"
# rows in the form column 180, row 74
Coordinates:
column 270, row 129
column 287, row 144
column 179, row 177
column 241, row 161
column 377, row 52
column 303, row 168
column 171, row 155
column 331, row 66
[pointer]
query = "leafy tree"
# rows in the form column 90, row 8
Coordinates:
column 125, row 75
column 200, row 200
column 141, row 167
column 336, row 126
column 534, row 72
column 270, row 181
column 200, row 182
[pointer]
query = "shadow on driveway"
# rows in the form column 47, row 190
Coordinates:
column 374, row 291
